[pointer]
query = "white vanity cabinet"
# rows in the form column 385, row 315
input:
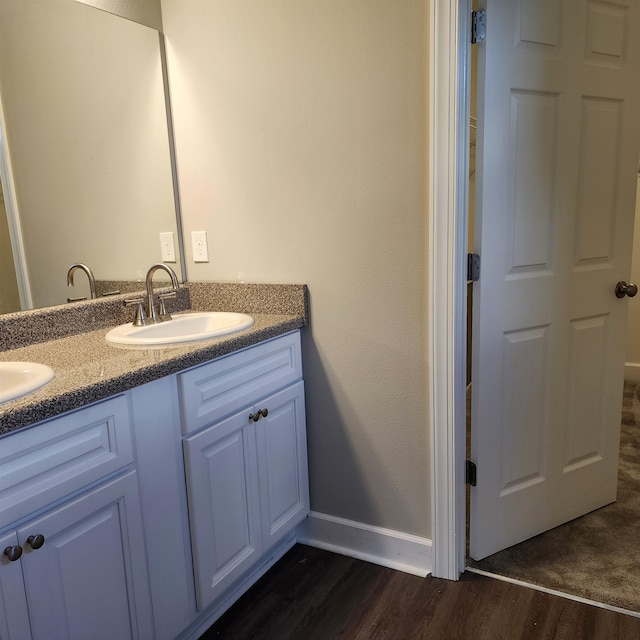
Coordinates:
column 156, row 508
column 245, row 459
column 72, row 552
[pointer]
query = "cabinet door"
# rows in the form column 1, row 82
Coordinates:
column 282, row 463
column 89, row 579
column 14, row 616
column 223, row 504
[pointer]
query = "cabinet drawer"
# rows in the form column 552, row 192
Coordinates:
column 217, row 389
column 55, row 458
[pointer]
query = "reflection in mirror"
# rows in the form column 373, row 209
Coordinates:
column 9, row 296
column 86, row 139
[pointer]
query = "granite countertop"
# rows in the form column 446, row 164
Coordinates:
column 87, row 368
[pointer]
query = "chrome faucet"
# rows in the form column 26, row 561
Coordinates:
column 162, row 315
column 151, row 314
column 92, row 281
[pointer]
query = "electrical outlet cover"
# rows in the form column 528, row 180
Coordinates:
column 199, row 246
column 167, row 247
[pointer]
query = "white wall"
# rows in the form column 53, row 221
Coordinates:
column 9, row 297
column 301, row 146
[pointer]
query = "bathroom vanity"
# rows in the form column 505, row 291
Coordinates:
column 147, row 513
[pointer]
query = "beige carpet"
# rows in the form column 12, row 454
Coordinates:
column 596, row 556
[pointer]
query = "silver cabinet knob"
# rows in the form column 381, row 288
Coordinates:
column 623, row 289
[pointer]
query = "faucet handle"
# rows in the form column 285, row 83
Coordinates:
column 163, row 314
column 141, row 318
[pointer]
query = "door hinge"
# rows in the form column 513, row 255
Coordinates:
column 478, row 26
column 471, row 473
column 473, row 267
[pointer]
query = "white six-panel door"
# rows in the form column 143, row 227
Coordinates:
column 557, row 157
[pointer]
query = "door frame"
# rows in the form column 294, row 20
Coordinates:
column 449, row 51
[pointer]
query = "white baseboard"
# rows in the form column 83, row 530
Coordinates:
column 632, row 371
column 388, row 548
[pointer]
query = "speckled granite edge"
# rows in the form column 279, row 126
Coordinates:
column 250, row 298
column 51, row 323
column 108, row 370
column 70, row 339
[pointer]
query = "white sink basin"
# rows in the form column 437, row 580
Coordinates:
column 184, row 327
column 19, row 378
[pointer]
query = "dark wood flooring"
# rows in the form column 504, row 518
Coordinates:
column 315, row 595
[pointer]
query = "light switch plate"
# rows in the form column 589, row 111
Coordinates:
column 199, row 245
column 167, row 247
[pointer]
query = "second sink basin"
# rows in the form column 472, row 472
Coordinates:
column 182, row 328
column 19, row 378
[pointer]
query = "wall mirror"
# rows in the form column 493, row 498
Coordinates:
column 86, row 156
